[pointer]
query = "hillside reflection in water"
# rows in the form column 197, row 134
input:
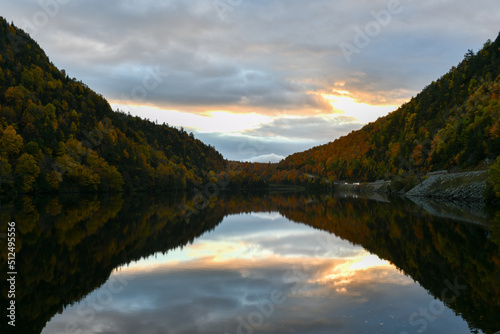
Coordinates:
column 268, row 264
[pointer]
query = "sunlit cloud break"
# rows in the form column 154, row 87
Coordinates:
column 263, row 69
column 343, row 102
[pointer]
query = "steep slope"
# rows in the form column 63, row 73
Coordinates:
column 453, row 123
column 56, row 134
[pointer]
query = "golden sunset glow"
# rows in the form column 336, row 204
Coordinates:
column 221, row 121
column 228, row 254
column 228, row 82
column 240, row 121
column 338, row 275
column 217, row 252
column 360, row 263
column 344, row 273
column 341, row 101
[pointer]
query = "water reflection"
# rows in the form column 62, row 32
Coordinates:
column 209, row 277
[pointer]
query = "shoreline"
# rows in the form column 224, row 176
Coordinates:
column 466, row 186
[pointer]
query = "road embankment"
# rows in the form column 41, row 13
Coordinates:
column 468, row 186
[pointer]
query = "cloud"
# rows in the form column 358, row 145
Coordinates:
column 245, row 147
column 213, row 299
column 320, row 128
column 344, row 290
column 263, row 54
column 254, row 137
column 267, row 158
column 270, row 58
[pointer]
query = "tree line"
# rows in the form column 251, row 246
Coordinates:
column 56, row 134
column 454, row 123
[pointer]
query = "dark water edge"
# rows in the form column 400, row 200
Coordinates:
column 67, row 246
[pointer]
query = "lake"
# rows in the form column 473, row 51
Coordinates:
column 254, row 263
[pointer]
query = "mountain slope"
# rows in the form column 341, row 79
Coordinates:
column 56, row 134
column 453, row 123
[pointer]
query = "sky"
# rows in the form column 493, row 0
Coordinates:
column 259, row 273
column 259, row 80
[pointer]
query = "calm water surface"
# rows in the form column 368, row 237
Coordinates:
column 296, row 263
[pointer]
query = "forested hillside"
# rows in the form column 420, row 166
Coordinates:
column 56, row 134
column 454, row 123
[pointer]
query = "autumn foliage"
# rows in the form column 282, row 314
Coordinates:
column 57, row 135
column 454, row 123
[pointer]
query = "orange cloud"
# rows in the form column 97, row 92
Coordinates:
column 343, row 102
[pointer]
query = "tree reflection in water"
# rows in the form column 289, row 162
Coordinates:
column 68, row 246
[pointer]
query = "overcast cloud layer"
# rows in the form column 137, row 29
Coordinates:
column 303, row 65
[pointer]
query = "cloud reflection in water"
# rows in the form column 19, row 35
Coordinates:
column 221, row 279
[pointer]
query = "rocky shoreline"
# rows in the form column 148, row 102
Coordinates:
column 468, row 186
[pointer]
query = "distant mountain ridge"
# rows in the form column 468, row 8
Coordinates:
column 56, row 134
column 454, row 123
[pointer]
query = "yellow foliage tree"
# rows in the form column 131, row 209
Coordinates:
column 28, row 169
column 85, row 177
column 11, row 142
column 5, row 172
column 54, row 178
column 16, row 97
column 108, row 174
